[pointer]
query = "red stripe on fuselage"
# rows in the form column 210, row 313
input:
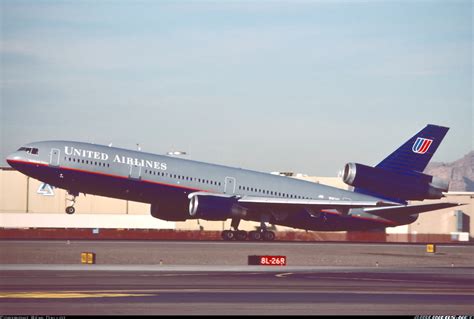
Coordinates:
column 109, row 175
column 170, row 185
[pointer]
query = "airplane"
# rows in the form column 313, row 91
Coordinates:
column 179, row 189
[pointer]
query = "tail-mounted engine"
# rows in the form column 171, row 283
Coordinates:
column 406, row 185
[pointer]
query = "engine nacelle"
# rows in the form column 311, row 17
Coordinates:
column 169, row 210
column 408, row 185
column 215, row 207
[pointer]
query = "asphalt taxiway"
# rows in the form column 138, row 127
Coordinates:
column 233, row 253
column 362, row 279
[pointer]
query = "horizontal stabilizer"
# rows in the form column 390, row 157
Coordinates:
column 398, row 211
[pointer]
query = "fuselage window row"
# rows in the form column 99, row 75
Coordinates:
column 72, row 159
column 188, row 178
column 268, row 192
column 182, row 177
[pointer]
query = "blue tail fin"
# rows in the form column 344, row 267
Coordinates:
column 415, row 154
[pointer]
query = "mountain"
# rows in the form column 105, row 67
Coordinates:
column 460, row 173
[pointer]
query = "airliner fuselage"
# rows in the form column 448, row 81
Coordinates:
column 180, row 189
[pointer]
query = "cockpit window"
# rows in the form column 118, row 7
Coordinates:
column 29, row 150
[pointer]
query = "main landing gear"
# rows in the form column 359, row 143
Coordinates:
column 240, row 235
column 255, row 235
column 70, row 209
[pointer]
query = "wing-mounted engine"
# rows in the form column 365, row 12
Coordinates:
column 169, row 210
column 403, row 185
column 215, row 207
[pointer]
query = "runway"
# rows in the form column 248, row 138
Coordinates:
column 219, row 286
column 366, row 291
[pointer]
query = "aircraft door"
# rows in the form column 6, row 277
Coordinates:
column 135, row 172
column 229, row 187
column 54, row 157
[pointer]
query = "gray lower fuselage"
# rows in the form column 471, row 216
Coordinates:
column 150, row 178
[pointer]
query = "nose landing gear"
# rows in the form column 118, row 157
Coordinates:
column 70, row 209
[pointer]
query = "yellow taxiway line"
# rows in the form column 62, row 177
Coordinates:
column 68, row 294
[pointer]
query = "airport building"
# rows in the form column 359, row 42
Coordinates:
column 28, row 203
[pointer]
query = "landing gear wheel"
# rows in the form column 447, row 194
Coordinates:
column 268, row 235
column 240, row 235
column 70, row 209
column 255, row 235
column 227, row 235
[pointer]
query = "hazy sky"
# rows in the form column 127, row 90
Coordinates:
column 301, row 86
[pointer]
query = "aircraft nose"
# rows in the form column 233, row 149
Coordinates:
column 11, row 158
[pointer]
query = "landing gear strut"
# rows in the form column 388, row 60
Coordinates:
column 70, row 209
column 262, row 233
column 236, row 234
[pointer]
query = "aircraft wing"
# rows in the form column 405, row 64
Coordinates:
column 397, row 211
column 293, row 205
column 289, row 204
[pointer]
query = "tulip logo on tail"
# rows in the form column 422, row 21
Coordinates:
column 421, row 145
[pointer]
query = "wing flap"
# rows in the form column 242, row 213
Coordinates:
column 397, row 211
column 290, row 204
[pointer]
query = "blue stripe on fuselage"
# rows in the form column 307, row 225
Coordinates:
column 147, row 191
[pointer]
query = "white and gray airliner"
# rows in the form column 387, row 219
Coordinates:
column 180, row 189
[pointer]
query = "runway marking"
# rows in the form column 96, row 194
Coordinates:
column 67, row 294
column 373, row 279
column 283, row 275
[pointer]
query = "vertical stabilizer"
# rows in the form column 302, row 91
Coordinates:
column 415, row 154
